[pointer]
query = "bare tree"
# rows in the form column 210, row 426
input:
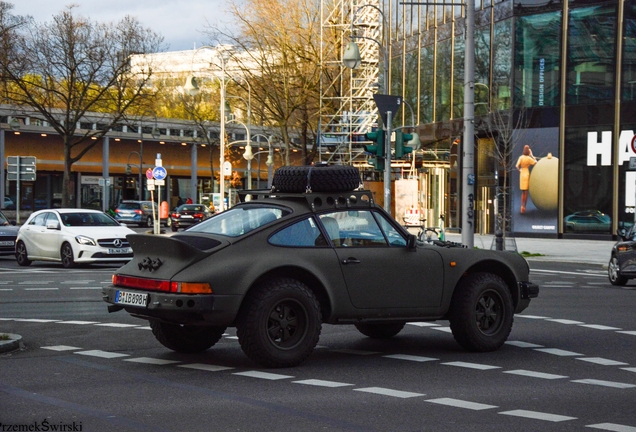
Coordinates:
column 280, row 40
column 503, row 127
column 70, row 67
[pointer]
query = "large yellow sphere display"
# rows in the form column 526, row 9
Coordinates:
column 544, row 183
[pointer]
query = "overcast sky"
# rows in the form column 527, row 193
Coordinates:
column 180, row 22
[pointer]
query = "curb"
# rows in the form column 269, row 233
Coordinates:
column 11, row 344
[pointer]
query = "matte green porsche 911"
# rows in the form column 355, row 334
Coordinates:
column 278, row 266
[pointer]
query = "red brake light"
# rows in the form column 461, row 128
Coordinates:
column 138, row 211
column 198, row 215
column 142, row 283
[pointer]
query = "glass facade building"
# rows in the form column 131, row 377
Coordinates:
column 562, row 76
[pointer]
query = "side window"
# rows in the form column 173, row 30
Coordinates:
column 353, row 228
column 393, row 235
column 304, row 234
column 39, row 220
column 51, row 217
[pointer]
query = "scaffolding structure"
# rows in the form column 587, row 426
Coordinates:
column 347, row 108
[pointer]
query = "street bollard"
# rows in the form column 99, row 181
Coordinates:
column 499, row 241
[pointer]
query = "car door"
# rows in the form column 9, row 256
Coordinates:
column 626, row 252
column 32, row 235
column 378, row 269
column 50, row 237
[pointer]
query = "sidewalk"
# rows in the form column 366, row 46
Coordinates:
column 564, row 250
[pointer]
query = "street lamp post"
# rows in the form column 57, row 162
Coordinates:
column 192, row 88
column 352, row 60
column 270, row 159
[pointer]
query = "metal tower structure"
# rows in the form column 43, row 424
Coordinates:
column 347, row 108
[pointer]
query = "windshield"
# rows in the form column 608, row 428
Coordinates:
column 238, row 221
column 87, row 219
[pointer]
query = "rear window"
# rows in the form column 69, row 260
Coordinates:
column 238, row 221
column 129, row 206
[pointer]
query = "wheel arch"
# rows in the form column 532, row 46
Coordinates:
column 301, row 275
column 500, row 269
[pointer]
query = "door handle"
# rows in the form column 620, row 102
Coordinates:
column 351, row 260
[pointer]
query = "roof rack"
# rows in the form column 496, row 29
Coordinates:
column 316, row 200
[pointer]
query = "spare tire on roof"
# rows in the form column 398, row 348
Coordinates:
column 319, row 178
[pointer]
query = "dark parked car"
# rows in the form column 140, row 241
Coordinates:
column 135, row 212
column 8, row 234
column 622, row 264
column 313, row 251
column 187, row 215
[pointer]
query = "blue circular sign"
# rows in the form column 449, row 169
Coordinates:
column 159, row 173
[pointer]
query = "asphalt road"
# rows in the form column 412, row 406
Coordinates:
column 569, row 365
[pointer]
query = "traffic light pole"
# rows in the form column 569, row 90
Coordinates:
column 387, row 163
column 468, row 141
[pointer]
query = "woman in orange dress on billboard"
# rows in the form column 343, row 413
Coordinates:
column 525, row 161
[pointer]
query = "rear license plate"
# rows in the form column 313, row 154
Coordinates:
column 6, row 243
column 131, row 299
column 186, row 216
column 119, row 251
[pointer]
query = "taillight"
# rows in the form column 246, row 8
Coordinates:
column 198, row 215
column 176, row 215
column 138, row 211
column 162, row 285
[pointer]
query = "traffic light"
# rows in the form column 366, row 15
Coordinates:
column 377, row 149
column 405, row 143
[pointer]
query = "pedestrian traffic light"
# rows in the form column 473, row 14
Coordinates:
column 376, row 149
column 405, row 143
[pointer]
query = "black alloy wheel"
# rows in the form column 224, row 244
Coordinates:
column 21, row 255
column 66, row 254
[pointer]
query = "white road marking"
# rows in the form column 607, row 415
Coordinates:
column 630, row 369
column 118, row 325
column 629, row 332
column 558, row 352
column 443, row 329
column 149, row 360
column 471, row 365
column 231, row 337
column 6, row 289
column 355, row 352
column 599, row 327
column 532, row 317
column 87, row 281
column 34, row 282
column 570, row 273
column 85, row 288
column 143, row 328
column 533, row 374
column 521, row 344
column 410, row 357
column 389, row 392
column 602, row 361
column 613, row 427
column 537, row 415
column 423, row 324
column 102, row 354
column 263, row 375
column 564, row 321
column 36, row 320
column 322, row 383
column 78, row 322
column 205, row 367
column 458, row 403
column 41, row 289
column 61, row 348
column 605, row 383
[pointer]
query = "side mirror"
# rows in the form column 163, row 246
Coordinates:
column 622, row 232
column 411, row 242
column 53, row 225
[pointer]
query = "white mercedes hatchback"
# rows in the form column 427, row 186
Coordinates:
column 72, row 236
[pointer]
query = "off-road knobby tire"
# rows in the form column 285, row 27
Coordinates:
column 279, row 301
column 482, row 312
column 614, row 273
column 380, row 331
column 330, row 178
column 21, row 255
column 186, row 339
column 67, row 256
